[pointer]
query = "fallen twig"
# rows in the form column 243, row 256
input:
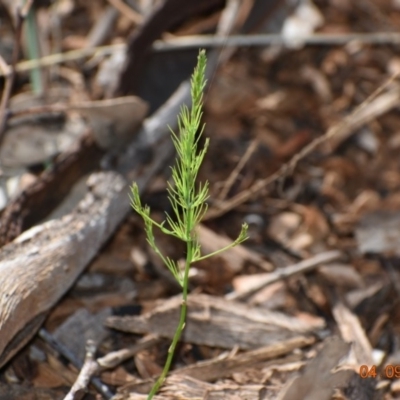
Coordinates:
column 79, row 388
column 211, row 41
column 93, row 367
column 65, row 352
column 317, row 39
column 283, row 273
column 235, row 173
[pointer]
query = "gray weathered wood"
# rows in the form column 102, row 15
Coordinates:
column 42, row 264
column 217, row 322
column 184, row 387
column 218, row 368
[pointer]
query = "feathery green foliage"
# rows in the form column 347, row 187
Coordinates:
column 188, row 201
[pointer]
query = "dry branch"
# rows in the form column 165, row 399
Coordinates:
column 208, row 41
column 42, row 264
column 79, row 388
column 301, row 267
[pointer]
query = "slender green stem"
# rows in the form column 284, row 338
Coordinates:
column 33, row 50
column 180, row 327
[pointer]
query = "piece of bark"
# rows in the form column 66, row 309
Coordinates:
column 353, row 332
column 41, row 197
column 217, row 322
column 317, row 382
column 114, row 122
column 43, row 263
column 182, row 387
column 218, row 368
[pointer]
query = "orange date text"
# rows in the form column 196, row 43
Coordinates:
column 386, row 372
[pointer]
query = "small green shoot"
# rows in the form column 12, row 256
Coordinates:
column 188, row 201
column 33, row 50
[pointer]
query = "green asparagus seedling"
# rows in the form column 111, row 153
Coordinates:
column 188, row 201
